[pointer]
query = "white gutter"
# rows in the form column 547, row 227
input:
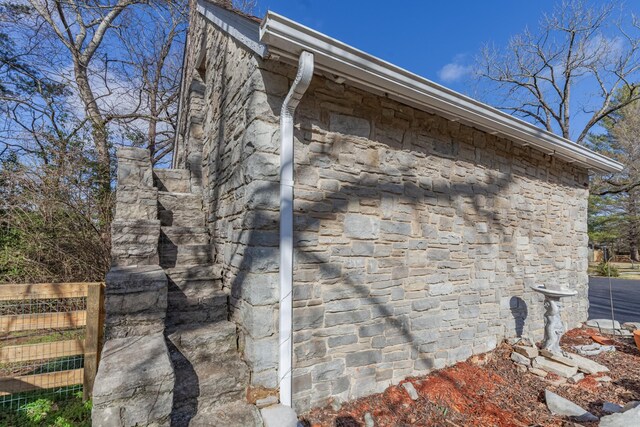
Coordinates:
column 287, row 39
column 299, row 87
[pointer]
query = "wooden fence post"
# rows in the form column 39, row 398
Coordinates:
column 93, row 337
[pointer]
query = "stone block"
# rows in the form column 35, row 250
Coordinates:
column 363, row 358
column 347, row 317
column 588, row 366
column 342, row 340
column 361, row 226
column 624, row 419
column 308, row 318
column 135, row 301
column 134, row 167
column 134, row 242
column 561, row 406
column 520, row 359
column 136, row 203
column 557, row 368
column 328, row 370
column 568, row 360
column 603, row 324
column 174, row 180
column 528, row 351
column 256, row 288
column 349, row 125
column 261, row 354
column 131, row 390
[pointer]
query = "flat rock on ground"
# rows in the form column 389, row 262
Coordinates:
column 557, row 368
column 561, row 406
column 630, row 418
column 411, row 390
column 603, row 323
column 588, row 366
column 528, row 351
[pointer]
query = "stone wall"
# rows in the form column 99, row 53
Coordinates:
column 416, row 237
column 241, row 101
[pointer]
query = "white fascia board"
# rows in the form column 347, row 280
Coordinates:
column 289, row 39
column 237, row 26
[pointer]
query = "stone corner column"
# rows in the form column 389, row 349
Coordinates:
column 135, row 379
column 134, row 385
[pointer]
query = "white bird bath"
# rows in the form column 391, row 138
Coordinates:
column 553, row 327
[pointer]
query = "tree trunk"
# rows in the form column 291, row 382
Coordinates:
column 101, row 141
column 634, row 226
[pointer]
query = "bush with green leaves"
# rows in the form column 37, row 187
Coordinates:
column 607, row 269
column 61, row 412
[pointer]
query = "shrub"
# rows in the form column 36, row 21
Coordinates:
column 607, row 269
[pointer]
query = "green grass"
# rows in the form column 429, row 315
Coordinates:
column 41, row 336
column 61, row 411
column 626, row 270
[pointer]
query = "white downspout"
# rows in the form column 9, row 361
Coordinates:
column 299, row 87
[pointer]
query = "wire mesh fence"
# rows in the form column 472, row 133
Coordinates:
column 49, row 341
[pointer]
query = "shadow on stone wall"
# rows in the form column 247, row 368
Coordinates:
column 257, row 247
column 520, row 312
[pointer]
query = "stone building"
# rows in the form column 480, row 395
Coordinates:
column 421, row 218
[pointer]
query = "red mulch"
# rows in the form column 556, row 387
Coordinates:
column 488, row 390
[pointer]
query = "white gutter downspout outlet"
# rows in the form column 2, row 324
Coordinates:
column 299, row 87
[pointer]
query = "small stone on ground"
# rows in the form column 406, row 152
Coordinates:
column 527, row 351
column 411, row 390
column 538, row 372
column 279, row 416
column 631, row 326
column 603, row 324
column 576, row 378
column 368, row 420
column 611, row 408
column 561, row 406
column 519, row 358
column 629, row 418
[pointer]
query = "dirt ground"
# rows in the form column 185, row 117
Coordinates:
column 488, row 390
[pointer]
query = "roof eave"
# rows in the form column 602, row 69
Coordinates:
column 288, row 39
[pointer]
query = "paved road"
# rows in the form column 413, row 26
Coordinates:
column 626, row 299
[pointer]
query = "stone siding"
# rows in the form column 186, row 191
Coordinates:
column 417, row 237
column 417, row 241
column 241, row 102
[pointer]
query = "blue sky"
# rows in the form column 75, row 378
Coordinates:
column 435, row 39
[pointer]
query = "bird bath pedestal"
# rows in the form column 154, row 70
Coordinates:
column 553, row 327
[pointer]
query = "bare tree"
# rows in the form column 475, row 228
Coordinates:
column 76, row 78
column 577, row 47
column 152, row 59
column 81, row 27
